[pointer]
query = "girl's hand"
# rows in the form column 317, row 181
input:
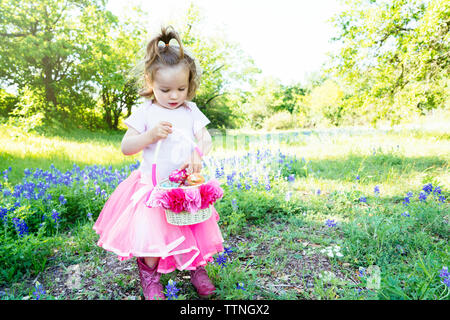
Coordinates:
column 194, row 164
column 161, row 130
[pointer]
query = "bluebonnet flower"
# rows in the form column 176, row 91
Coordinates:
column 357, row 177
column 423, row 196
column 21, row 226
column 406, row 214
column 361, row 272
column 171, row 290
column 240, row 286
column 247, row 186
column 234, row 204
column 363, row 199
column 62, row 200
column 330, row 223
column 228, row 251
column 437, row 190
column 39, row 291
column 291, row 178
column 428, row 188
column 230, row 180
column 406, row 200
column 445, row 276
column 4, row 215
column 89, row 215
column 441, row 199
column 318, row 192
column 55, row 216
column 376, row 190
column 5, row 175
column 97, row 190
column 221, row 260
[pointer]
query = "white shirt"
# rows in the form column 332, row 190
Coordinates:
column 175, row 149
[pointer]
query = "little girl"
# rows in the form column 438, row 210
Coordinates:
column 126, row 225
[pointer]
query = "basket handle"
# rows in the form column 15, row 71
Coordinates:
column 158, row 144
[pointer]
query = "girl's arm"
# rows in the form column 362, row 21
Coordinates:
column 204, row 142
column 133, row 141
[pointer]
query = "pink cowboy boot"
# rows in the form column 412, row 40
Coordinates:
column 151, row 286
column 201, row 282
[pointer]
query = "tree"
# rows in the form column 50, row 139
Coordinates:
column 325, row 102
column 395, row 56
column 112, row 59
column 45, row 44
column 288, row 98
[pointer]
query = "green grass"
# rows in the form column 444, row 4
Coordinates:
column 21, row 150
column 279, row 247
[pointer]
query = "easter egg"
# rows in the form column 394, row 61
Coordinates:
column 194, row 179
column 178, row 176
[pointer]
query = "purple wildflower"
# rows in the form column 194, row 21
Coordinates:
column 376, row 190
column 445, row 276
column 221, row 260
column 234, row 204
column 240, row 286
column 62, row 200
column 423, row 196
column 228, row 251
column 39, row 291
column 171, row 290
column 55, row 216
column 4, row 214
column 330, row 223
column 428, row 188
column 21, row 226
column 437, row 190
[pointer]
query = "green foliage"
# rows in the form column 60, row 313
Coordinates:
column 8, row 102
column 394, row 57
column 44, row 46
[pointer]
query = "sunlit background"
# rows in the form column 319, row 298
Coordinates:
column 287, row 39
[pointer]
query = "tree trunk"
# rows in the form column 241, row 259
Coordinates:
column 50, row 94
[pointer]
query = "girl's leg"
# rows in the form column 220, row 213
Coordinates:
column 149, row 277
column 151, row 261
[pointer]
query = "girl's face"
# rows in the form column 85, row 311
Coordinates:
column 170, row 86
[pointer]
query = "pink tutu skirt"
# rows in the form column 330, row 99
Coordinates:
column 129, row 228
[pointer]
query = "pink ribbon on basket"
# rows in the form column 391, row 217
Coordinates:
column 196, row 148
column 148, row 187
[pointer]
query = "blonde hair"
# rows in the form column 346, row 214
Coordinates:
column 157, row 56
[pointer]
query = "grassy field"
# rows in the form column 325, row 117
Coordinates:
column 306, row 215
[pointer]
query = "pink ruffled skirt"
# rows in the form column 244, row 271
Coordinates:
column 129, row 228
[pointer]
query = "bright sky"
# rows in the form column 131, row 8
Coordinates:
column 261, row 27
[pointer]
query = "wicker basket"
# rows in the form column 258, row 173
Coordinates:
column 185, row 218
